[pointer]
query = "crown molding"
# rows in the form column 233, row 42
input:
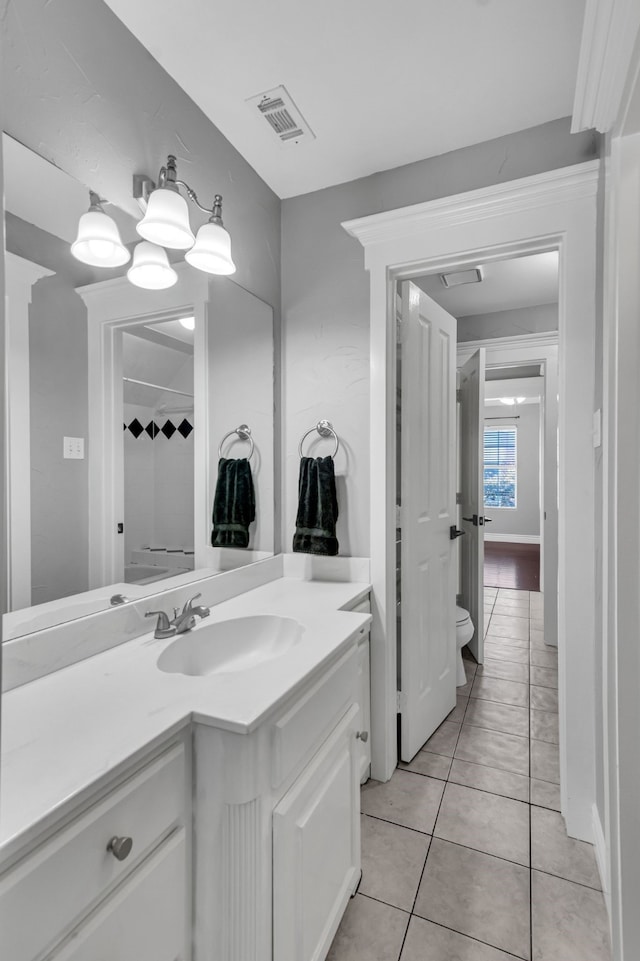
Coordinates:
column 609, row 35
column 565, row 184
column 545, row 339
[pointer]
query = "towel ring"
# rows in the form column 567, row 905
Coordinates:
column 244, row 433
column 325, row 429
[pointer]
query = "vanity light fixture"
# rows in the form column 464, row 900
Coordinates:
column 151, row 268
column 98, row 242
column 188, row 322
column 166, row 222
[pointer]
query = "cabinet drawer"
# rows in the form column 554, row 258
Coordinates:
column 67, row 874
column 144, row 919
column 312, row 717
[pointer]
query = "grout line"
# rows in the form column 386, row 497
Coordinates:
column 487, row 854
column 439, row 924
column 569, row 880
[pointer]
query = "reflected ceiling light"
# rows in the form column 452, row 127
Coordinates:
column 511, row 401
column 166, row 221
column 98, row 242
column 151, row 268
column 188, row 322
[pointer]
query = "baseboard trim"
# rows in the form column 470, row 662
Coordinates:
column 513, row 538
column 602, row 860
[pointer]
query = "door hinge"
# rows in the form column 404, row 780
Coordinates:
column 458, row 396
column 400, row 699
column 459, row 498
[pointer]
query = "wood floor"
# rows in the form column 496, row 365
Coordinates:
column 515, row 566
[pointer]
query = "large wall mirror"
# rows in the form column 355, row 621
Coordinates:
column 119, row 400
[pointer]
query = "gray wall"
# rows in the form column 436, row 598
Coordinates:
column 325, row 298
column 508, row 323
column 83, row 93
column 59, row 408
column 525, row 518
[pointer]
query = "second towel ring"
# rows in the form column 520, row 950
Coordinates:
column 244, row 433
column 325, row 429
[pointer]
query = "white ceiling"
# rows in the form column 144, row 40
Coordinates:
column 380, row 84
column 506, row 285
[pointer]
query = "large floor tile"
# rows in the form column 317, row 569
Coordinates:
column 506, row 639
column 498, row 717
column 490, row 779
column 495, row 689
column 544, row 699
column 392, row 861
column 408, row 799
column 545, row 761
column 457, row 715
column 507, row 670
column 426, row 941
column 431, row 765
column 369, row 931
column 507, row 752
column 544, row 726
column 485, row 822
column 443, row 741
column 548, row 659
column 555, row 853
column 509, row 626
column 492, row 904
column 498, row 649
column 512, row 592
column 544, row 677
column 512, row 608
column 545, row 794
column 569, row 921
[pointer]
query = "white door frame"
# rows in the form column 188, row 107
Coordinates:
column 112, row 305
column 553, row 209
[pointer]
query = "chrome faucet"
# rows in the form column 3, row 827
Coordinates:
column 184, row 620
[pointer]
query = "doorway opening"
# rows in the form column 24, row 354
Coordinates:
column 505, row 324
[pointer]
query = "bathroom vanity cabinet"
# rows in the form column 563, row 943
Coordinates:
column 114, row 881
column 244, row 846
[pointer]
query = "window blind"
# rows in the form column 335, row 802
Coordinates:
column 500, row 467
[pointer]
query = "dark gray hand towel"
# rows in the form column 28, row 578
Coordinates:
column 234, row 504
column 317, row 507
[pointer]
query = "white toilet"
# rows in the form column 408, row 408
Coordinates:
column 464, row 633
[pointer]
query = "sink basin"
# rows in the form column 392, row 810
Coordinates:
column 228, row 647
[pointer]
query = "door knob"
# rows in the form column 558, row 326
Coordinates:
column 120, row 847
column 363, row 736
column 472, row 520
column 454, row 532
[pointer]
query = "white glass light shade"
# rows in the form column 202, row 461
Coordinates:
column 98, row 242
column 166, row 221
column 151, row 268
column 188, row 322
column 212, row 251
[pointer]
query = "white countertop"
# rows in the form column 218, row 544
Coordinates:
column 63, row 732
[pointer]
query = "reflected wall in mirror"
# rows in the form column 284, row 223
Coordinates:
column 89, row 501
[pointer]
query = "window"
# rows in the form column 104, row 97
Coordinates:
column 500, row 451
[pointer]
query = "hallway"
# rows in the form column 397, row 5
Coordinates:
column 464, row 854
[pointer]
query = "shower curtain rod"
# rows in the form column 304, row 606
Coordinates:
column 168, row 390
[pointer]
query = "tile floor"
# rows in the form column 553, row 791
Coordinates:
column 464, row 854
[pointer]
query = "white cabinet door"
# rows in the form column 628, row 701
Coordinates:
column 145, row 919
column 364, row 700
column 316, row 847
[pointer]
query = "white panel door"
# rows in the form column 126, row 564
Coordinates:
column 428, row 576
column 472, row 489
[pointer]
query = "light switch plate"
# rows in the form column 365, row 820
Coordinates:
column 73, row 448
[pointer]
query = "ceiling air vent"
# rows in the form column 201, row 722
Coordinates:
column 459, row 277
column 282, row 115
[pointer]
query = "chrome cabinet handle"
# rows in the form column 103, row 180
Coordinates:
column 120, row 847
column 363, row 735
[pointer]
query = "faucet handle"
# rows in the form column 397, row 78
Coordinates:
column 163, row 626
column 187, row 606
